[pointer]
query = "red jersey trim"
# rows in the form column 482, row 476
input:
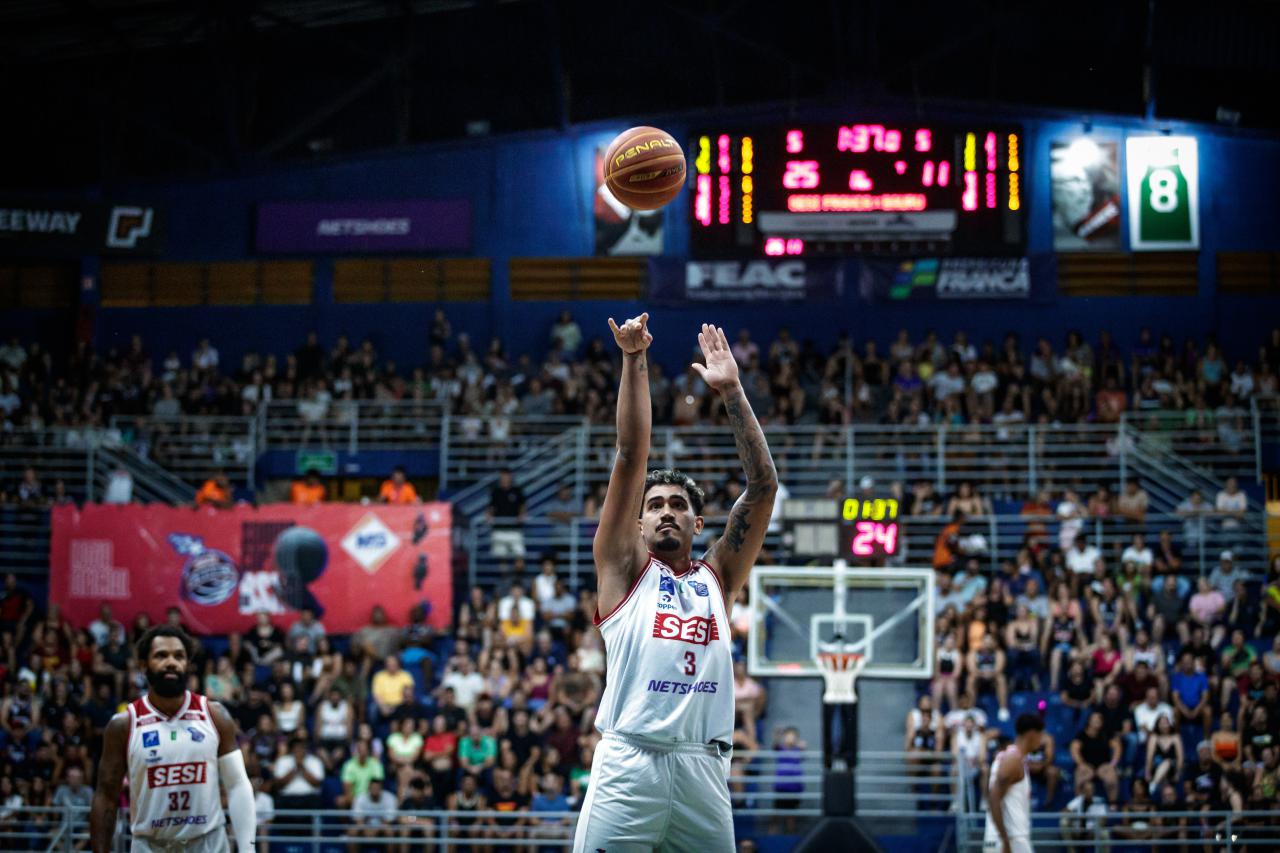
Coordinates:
column 723, row 597
column 635, row 584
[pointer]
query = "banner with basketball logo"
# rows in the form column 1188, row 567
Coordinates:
column 223, row 567
column 621, row 231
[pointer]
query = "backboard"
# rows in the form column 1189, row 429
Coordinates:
column 886, row 613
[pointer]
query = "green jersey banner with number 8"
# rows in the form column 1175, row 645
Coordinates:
column 1164, row 193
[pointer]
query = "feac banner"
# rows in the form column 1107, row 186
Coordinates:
column 674, row 281
column 1018, row 278
column 32, row 226
column 420, row 225
column 223, row 567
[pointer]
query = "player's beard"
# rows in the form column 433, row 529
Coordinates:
column 666, row 542
column 165, row 686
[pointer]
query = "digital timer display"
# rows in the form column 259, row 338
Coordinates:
column 869, row 527
column 858, row 187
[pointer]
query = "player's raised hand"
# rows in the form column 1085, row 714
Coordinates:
column 632, row 336
column 721, row 370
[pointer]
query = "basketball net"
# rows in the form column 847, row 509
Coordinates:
column 840, row 670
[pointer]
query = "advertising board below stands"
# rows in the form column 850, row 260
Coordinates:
column 223, row 567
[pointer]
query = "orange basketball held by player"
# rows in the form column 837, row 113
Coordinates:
column 644, row 168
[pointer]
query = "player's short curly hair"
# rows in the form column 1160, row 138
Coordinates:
column 143, row 646
column 672, row 477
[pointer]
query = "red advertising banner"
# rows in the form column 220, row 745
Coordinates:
column 223, row 567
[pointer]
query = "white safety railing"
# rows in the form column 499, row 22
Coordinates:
column 195, row 447
column 1155, row 829
column 352, row 425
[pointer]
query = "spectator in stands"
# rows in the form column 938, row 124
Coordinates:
column 1164, row 753
column 1224, row 577
column 216, row 492
column 398, row 490
column 265, row 641
column 947, row 673
column 1082, row 558
column 375, row 814
column 205, row 356
column 516, row 614
column 308, row 491
column 946, row 548
column 308, row 629
column 1064, row 634
column 1042, row 769
column 358, row 773
column 1150, row 711
column 563, row 509
column 102, row 627
column 506, row 513
column 462, row 684
column 1022, row 639
column 986, row 667
column 1097, row 756
column 29, row 491
column 298, row 776
column 419, row 796
column 1231, row 504
column 1165, row 610
column 566, row 334
column 1131, row 505
column 1208, row 607
column 392, row 687
column 1189, row 690
column 376, row 640
column 1194, row 512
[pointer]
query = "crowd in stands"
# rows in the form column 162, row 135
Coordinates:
column 1160, row 691
column 789, row 381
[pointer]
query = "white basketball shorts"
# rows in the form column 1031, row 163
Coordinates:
column 645, row 795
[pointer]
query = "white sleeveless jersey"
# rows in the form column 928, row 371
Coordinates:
column 669, row 672
column 1017, row 802
column 173, row 771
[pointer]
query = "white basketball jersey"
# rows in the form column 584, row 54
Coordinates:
column 1017, row 802
column 173, row 771
column 669, row 657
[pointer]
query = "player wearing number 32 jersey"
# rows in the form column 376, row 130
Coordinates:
column 174, row 746
column 659, row 777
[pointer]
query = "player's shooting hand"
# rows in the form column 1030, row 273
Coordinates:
column 632, row 336
column 721, row 370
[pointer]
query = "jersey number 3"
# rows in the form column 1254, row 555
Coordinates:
column 179, row 801
column 690, row 663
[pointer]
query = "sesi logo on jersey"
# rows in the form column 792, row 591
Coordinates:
column 164, row 775
column 695, row 629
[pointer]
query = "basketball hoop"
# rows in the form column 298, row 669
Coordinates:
column 840, row 670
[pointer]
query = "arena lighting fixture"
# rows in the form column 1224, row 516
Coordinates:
column 1083, row 152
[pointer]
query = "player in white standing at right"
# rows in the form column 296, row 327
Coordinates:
column 1008, row 826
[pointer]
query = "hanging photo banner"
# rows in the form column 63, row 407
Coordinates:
column 620, row 230
column 1085, row 177
column 1164, row 193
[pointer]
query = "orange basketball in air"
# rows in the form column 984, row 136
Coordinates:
column 644, row 168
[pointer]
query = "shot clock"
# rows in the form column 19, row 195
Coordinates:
column 861, row 186
column 869, row 528
column 855, row 529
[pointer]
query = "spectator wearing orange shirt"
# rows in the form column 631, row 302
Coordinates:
column 215, row 492
column 398, row 490
column 308, row 491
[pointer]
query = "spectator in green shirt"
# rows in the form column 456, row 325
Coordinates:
column 1236, row 658
column 358, row 771
column 477, row 752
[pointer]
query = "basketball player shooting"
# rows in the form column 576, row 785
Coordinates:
column 175, row 746
column 1008, row 827
column 659, row 779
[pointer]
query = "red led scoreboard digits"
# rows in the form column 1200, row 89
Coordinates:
column 858, row 187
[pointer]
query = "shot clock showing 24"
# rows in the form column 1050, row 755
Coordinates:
column 858, row 187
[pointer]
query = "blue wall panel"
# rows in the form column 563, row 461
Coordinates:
column 531, row 195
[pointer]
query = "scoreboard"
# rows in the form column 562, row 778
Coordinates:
column 859, row 530
column 861, row 187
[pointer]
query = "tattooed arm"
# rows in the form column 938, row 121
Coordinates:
column 734, row 553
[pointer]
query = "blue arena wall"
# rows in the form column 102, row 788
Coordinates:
column 531, row 197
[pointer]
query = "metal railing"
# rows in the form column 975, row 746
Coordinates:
column 194, row 447
column 492, row 560
column 1154, row 830
column 892, row 788
column 351, row 425
column 1220, row 443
